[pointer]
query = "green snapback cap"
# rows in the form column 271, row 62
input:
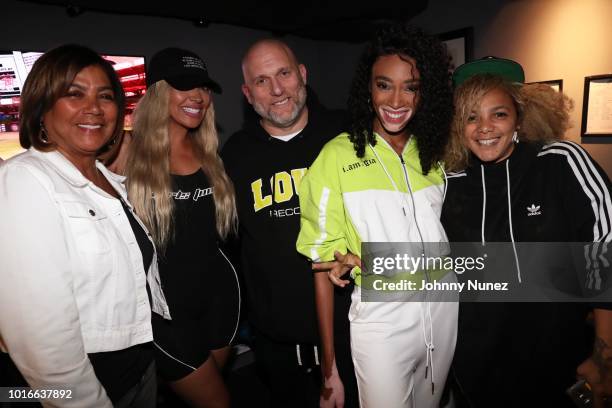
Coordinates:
column 508, row 69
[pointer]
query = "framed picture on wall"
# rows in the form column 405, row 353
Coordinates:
column 597, row 106
column 459, row 44
column 556, row 84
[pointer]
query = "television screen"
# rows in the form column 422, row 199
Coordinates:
column 14, row 69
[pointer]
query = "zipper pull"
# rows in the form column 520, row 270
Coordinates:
column 404, row 210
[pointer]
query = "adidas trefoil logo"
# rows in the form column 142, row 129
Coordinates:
column 533, row 210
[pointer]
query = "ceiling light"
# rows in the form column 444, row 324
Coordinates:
column 201, row 22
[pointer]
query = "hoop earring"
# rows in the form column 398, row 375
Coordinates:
column 515, row 138
column 43, row 133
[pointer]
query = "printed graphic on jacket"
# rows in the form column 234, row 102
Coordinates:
column 357, row 165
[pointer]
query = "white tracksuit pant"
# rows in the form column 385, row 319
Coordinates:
column 395, row 345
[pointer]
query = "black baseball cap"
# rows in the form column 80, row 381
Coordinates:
column 506, row 68
column 182, row 69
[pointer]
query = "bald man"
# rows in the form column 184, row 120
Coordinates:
column 266, row 160
column 275, row 85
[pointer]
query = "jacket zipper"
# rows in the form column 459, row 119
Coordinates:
column 407, row 180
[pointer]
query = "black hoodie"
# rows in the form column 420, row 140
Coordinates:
column 279, row 281
column 525, row 354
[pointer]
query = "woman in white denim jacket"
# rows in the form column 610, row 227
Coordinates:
column 74, row 259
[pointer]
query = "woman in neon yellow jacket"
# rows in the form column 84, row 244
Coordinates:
column 382, row 183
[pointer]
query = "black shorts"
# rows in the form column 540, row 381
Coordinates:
column 205, row 308
column 182, row 345
column 179, row 349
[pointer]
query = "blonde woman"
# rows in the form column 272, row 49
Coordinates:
column 179, row 188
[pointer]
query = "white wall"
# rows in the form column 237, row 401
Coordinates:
column 551, row 39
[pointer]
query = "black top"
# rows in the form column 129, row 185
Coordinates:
column 278, row 279
column 559, row 178
column 120, row 370
column 199, row 283
column 144, row 243
column 525, row 354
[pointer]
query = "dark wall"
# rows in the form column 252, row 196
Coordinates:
column 551, row 39
column 34, row 27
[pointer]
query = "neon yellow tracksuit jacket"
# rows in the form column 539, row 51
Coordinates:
column 346, row 200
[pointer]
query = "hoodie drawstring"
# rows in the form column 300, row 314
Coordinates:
column 429, row 344
column 298, row 353
column 518, row 267
column 484, row 205
column 445, row 181
column 386, row 171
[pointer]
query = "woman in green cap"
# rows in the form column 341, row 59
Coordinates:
column 514, row 180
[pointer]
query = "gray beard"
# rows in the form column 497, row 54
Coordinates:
column 278, row 120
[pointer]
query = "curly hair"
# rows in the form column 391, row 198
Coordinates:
column 542, row 114
column 431, row 123
column 546, row 114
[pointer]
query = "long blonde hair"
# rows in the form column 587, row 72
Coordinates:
column 542, row 114
column 148, row 168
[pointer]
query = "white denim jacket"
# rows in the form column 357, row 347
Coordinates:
column 71, row 275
